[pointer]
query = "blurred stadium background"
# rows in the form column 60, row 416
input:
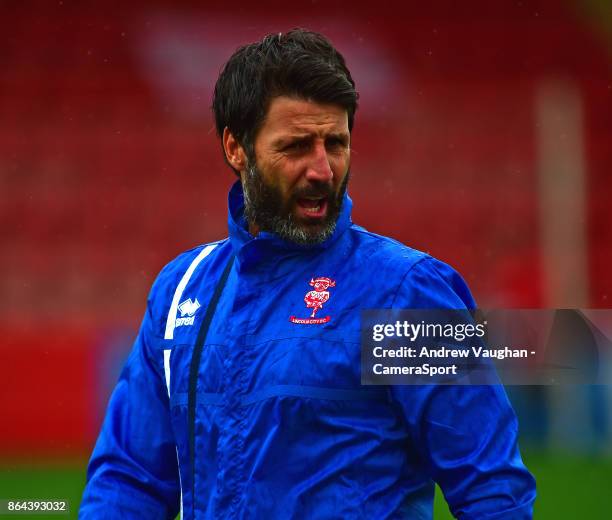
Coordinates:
column 484, row 137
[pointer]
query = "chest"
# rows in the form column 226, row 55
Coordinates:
column 299, row 329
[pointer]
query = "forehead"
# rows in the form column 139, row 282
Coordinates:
column 288, row 115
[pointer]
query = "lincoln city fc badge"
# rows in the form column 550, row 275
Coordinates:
column 315, row 300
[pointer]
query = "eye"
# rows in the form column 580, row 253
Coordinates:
column 335, row 143
column 297, row 146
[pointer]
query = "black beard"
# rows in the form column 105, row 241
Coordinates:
column 264, row 207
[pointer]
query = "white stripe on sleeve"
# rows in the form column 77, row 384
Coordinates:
column 181, row 287
column 167, row 353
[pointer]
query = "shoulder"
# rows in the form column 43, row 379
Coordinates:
column 420, row 280
column 385, row 252
column 176, row 268
column 178, row 272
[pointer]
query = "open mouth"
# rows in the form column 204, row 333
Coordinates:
column 313, row 207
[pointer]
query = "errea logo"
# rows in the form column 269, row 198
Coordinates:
column 187, row 310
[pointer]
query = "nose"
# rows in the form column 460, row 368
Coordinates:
column 319, row 167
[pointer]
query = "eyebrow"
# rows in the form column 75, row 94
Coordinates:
column 286, row 139
column 290, row 138
column 342, row 136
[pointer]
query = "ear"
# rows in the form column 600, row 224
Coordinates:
column 234, row 152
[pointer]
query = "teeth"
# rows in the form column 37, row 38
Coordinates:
column 313, row 210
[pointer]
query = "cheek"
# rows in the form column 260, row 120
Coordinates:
column 340, row 161
column 285, row 179
column 276, row 172
column 289, row 173
column 339, row 166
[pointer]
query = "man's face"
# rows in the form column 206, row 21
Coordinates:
column 302, row 157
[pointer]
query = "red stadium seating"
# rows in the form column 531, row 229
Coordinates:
column 104, row 178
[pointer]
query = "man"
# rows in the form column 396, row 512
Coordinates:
column 242, row 396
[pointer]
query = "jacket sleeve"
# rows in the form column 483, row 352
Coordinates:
column 465, row 435
column 133, row 471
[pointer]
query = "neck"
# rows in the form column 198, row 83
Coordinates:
column 253, row 229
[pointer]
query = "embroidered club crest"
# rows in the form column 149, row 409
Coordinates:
column 315, row 300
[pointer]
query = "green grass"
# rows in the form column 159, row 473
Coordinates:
column 56, row 480
column 569, row 487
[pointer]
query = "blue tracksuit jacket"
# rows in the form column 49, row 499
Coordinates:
column 272, row 422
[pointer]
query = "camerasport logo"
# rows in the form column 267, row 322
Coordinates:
column 315, row 300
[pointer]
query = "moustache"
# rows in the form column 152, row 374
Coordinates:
column 314, row 191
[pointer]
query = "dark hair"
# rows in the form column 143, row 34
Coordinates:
column 298, row 63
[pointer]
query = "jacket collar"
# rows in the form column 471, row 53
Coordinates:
column 250, row 250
